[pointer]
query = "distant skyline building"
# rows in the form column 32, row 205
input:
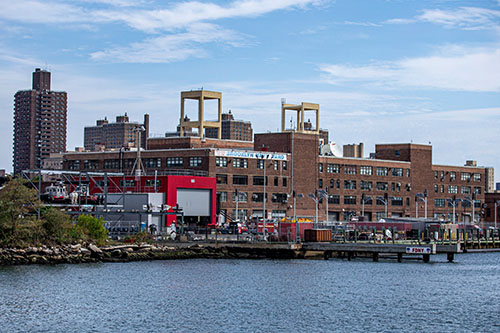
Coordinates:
column 122, row 133
column 40, row 123
column 232, row 129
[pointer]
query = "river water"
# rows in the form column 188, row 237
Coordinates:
column 205, row 295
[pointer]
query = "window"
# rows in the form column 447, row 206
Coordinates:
column 381, row 171
column 127, row 183
column 275, row 181
column 152, row 162
column 334, row 199
column 320, row 183
column 350, row 169
column 258, row 180
column 435, row 175
column 477, row 177
column 439, row 202
column 333, row 168
column 240, row 196
column 284, row 182
column 365, row 186
column 435, row 188
column 338, row 183
column 241, row 163
column 284, row 165
column 365, row 170
column 442, row 188
column 90, row 164
column 221, row 179
column 453, row 175
column 240, row 180
column 465, row 176
column 380, row 215
column 367, row 200
column 407, row 173
column 221, row 162
column 397, row 201
column 174, row 162
column 195, row 161
column 349, row 184
column 320, row 167
column 382, row 186
column 260, row 164
column 151, row 183
column 397, row 172
column 349, row 200
column 222, row 196
column 477, row 190
column 397, row 152
column 258, row 197
column 453, row 189
column 279, row 197
column 276, row 165
column 111, row 164
column 465, row 189
column 380, row 201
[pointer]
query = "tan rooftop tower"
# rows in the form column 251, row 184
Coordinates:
column 201, row 124
column 300, row 109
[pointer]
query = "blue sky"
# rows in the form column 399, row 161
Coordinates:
column 383, row 71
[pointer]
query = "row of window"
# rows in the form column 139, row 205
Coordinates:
column 242, row 197
column 440, row 202
column 243, row 180
column 464, row 176
column 453, row 189
column 365, row 185
column 364, row 170
column 242, row 163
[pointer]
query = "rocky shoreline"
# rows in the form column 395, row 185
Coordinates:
column 90, row 253
column 75, row 254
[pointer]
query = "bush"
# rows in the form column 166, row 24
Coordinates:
column 57, row 226
column 91, row 228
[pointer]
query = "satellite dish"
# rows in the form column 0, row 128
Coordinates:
column 331, row 149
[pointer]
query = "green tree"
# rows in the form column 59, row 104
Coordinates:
column 18, row 205
column 57, row 226
column 92, row 227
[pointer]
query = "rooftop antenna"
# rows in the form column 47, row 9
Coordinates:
column 283, row 101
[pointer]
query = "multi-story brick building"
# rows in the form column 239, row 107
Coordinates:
column 232, row 129
column 122, row 133
column 40, row 116
column 284, row 174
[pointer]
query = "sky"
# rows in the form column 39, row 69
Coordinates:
column 383, row 71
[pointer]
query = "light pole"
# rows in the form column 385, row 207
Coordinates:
column 385, row 200
column 297, row 229
column 324, row 194
column 264, row 165
column 497, row 203
column 363, row 200
column 421, row 197
column 472, row 204
column 453, row 203
column 315, row 199
column 237, row 200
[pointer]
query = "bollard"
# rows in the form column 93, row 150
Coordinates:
column 400, row 257
column 375, row 256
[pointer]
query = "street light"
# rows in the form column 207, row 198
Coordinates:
column 385, row 200
column 454, row 202
column 468, row 199
column 315, row 199
column 421, row 197
column 324, row 194
column 497, row 203
column 364, row 199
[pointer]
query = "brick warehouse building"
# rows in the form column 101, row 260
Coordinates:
column 291, row 163
column 400, row 170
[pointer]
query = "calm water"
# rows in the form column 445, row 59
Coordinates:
column 254, row 295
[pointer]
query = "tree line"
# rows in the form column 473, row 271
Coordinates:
column 21, row 227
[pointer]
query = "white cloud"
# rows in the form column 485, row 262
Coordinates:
column 466, row 18
column 170, row 48
column 461, row 69
column 463, row 17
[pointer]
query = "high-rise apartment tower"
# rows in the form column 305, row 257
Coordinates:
column 40, row 117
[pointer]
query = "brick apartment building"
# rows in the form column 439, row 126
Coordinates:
column 232, row 129
column 122, row 133
column 40, row 117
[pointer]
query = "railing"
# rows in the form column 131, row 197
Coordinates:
column 176, row 172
